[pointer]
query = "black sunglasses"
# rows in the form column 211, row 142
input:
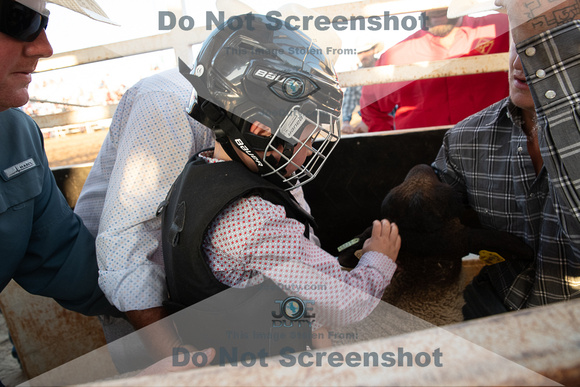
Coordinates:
column 21, row 22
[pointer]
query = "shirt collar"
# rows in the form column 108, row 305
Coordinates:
column 508, row 110
column 514, row 113
column 207, row 156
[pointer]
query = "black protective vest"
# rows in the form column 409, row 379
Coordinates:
column 198, row 195
column 195, row 199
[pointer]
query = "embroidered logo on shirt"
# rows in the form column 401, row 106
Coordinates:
column 484, row 45
column 19, row 168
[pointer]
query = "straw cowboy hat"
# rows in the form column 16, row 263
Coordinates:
column 459, row 8
column 88, row 8
column 368, row 46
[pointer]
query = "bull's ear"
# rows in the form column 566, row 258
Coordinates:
column 503, row 243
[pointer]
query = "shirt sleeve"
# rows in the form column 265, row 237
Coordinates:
column 68, row 271
column 373, row 111
column 552, row 66
column 156, row 140
column 446, row 168
column 350, row 101
column 266, row 243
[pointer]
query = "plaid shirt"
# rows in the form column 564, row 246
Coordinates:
column 350, row 101
column 485, row 157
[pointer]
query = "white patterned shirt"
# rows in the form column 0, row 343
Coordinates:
column 150, row 140
column 252, row 238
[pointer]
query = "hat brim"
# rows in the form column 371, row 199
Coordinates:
column 377, row 47
column 88, row 8
column 458, row 8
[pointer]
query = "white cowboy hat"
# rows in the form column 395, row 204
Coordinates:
column 370, row 45
column 88, row 8
column 459, row 8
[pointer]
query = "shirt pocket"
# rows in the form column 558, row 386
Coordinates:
column 18, row 187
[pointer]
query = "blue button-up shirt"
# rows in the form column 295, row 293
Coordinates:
column 44, row 246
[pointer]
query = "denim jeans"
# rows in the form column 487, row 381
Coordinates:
column 481, row 298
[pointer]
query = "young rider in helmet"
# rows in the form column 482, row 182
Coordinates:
column 237, row 225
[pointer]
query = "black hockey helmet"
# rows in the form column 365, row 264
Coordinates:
column 265, row 72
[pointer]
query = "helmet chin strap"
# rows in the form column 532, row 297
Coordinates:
column 226, row 133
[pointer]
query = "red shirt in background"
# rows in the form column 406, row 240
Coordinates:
column 438, row 101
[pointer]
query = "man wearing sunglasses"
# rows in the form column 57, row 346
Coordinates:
column 43, row 245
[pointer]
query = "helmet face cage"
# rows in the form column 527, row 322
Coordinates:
column 300, row 131
column 278, row 78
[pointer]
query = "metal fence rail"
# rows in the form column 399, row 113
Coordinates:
column 181, row 43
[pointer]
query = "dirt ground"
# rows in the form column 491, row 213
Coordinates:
column 10, row 371
column 74, row 149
